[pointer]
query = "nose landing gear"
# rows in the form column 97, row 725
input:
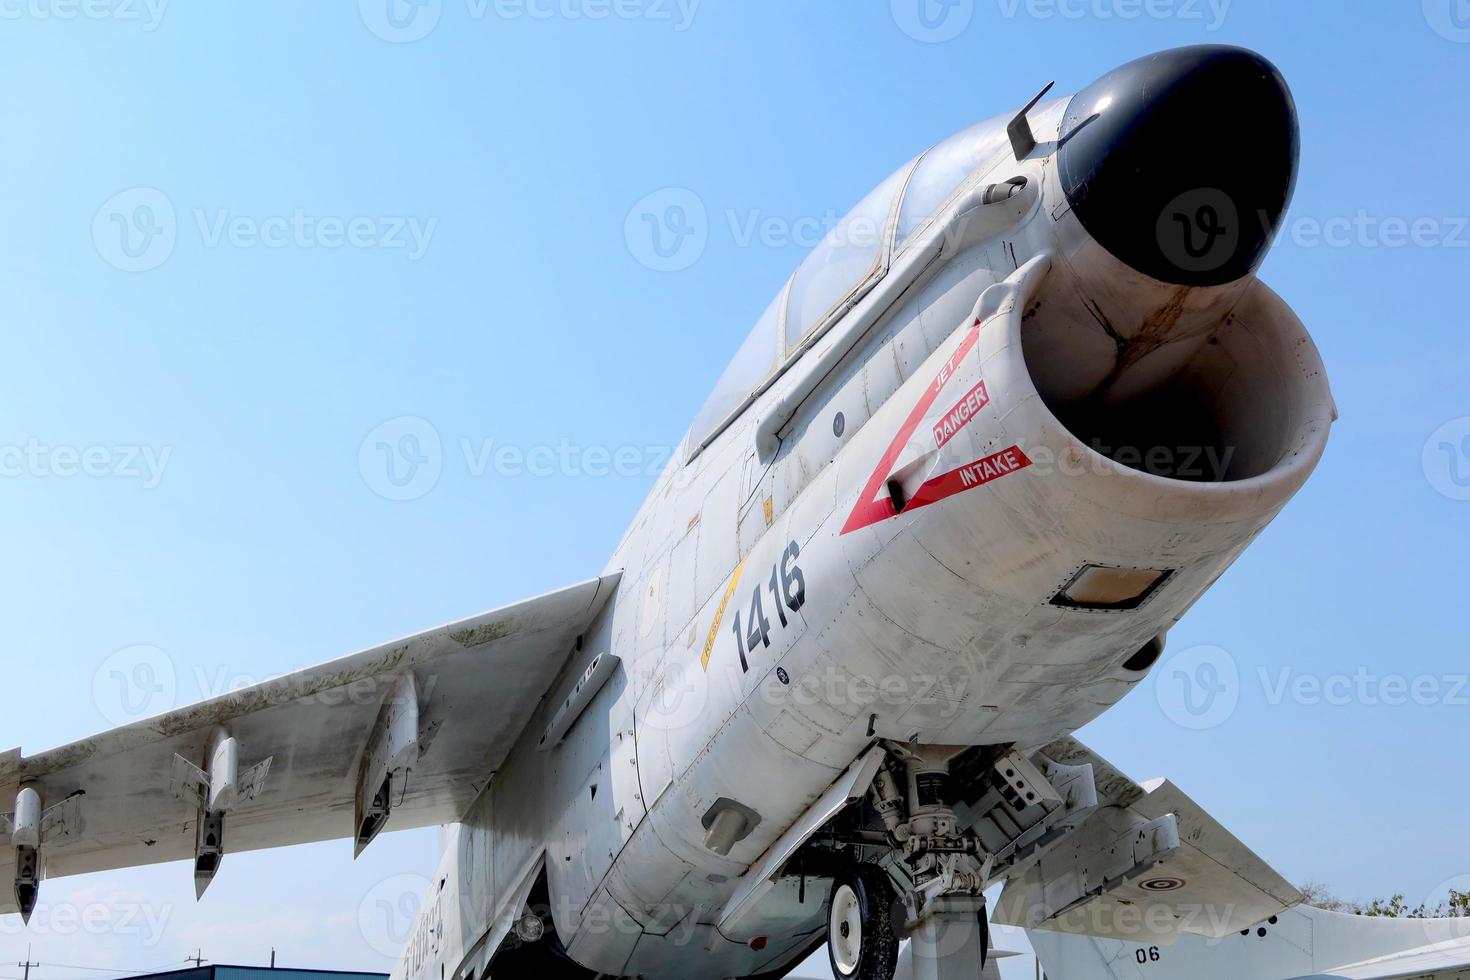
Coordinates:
column 861, row 942
column 919, row 870
column 951, row 941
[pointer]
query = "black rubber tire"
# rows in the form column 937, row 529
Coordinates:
column 877, row 957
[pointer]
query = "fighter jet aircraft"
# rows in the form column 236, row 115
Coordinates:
column 940, row 512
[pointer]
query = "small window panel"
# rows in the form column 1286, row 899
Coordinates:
column 849, row 261
column 754, row 363
column 944, row 168
column 847, row 257
column 1101, row 588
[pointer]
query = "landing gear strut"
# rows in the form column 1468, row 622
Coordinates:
column 924, row 874
column 952, row 941
column 860, row 938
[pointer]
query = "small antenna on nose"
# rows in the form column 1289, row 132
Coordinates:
column 1019, row 130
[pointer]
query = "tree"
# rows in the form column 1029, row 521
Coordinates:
column 1318, row 895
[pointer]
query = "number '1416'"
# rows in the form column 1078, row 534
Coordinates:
column 787, row 587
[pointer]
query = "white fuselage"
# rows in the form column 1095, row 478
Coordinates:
column 776, row 615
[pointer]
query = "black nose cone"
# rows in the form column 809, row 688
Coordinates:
column 1182, row 164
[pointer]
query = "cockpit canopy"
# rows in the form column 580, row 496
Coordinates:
column 843, row 267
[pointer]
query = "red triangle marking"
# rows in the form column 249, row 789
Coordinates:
column 870, row 508
column 969, row 476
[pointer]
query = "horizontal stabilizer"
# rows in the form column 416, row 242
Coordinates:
column 1149, row 865
column 1303, row 943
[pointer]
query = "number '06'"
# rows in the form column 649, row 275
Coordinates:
column 787, row 588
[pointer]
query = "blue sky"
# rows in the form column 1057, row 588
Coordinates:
column 345, row 229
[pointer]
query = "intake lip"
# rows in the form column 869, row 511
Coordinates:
column 1275, row 412
column 1182, row 164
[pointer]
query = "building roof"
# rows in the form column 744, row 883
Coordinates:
column 224, row 971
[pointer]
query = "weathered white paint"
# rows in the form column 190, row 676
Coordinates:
column 932, row 626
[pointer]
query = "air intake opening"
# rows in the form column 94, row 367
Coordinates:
column 1217, row 405
column 1168, row 432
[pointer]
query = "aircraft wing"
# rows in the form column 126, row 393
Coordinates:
column 1440, row 961
column 1303, row 943
column 1146, row 861
column 304, row 757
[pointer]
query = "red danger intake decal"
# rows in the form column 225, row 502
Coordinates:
column 959, row 416
column 872, row 508
column 970, row 476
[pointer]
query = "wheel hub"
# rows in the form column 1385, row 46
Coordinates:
column 847, row 928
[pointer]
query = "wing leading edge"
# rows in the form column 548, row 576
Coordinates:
column 414, row 728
